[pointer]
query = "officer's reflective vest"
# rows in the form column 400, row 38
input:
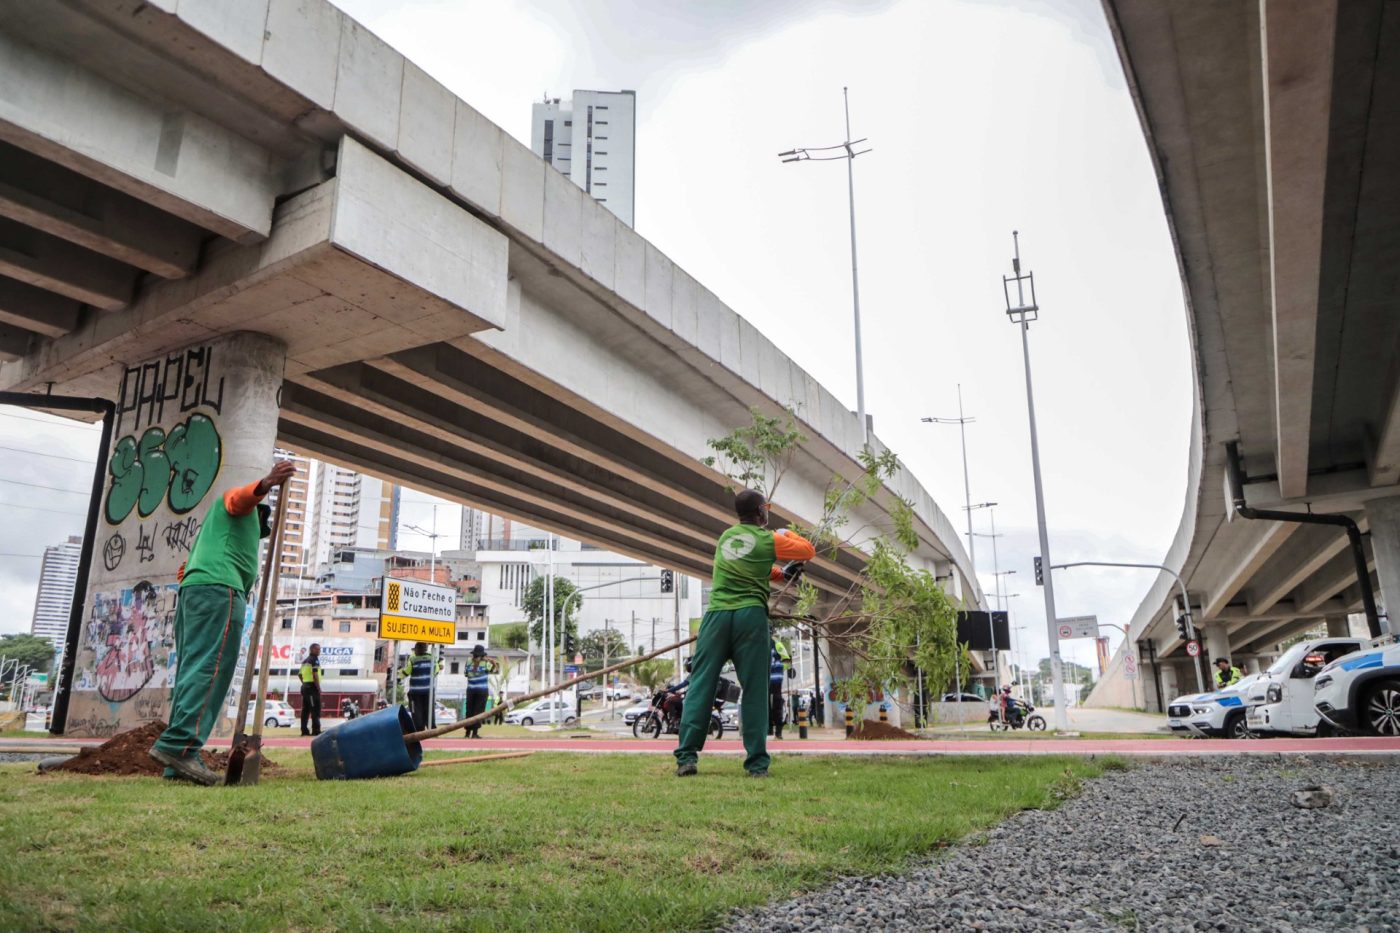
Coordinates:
column 420, row 678
column 775, row 669
column 308, row 672
column 477, row 674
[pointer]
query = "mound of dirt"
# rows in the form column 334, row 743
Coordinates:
column 872, row 730
column 128, row 753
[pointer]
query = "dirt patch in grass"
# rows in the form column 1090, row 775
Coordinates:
column 871, row 730
column 128, row 754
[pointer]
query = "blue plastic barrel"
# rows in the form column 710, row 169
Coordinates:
column 367, row 747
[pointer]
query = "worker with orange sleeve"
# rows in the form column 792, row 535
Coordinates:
column 736, row 628
column 220, row 571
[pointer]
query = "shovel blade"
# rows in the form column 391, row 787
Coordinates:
column 244, row 762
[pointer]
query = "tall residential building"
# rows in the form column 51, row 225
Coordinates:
column 57, row 575
column 295, row 560
column 351, row 510
column 482, row 531
column 593, row 140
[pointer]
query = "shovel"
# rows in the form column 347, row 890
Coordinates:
column 245, row 756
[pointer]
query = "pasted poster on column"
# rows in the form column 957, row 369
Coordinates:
column 168, row 462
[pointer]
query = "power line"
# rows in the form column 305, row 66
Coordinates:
column 39, row 453
column 38, row 508
column 64, row 423
column 2, row 554
column 20, row 482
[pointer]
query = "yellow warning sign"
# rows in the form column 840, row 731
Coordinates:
column 402, row 628
column 414, row 611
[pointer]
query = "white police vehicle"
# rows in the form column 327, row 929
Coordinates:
column 1281, row 703
column 1219, row 714
column 1360, row 692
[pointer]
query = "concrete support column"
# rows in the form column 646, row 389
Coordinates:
column 1169, row 688
column 1384, row 516
column 1217, row 644
column 1252, row 666
column 189, row 425
column 1338, row 626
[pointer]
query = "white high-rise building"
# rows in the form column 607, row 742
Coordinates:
column 352, row 510
column 482, row 531
column 593, row 140
column 54, row 602
column 296, row 543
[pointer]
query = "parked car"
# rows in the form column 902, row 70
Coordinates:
column 630, row 714
column 538, row 713
column 1220, row 714
column 275, row 713
column 443, row 715
column 963, row 698
column 1282, row 702
column 1360, row 692
column 589, row 691
column 619, row 692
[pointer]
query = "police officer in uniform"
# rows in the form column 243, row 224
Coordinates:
column 779, row 659
column 311, row 690
column 479, row 671
column 418, row 670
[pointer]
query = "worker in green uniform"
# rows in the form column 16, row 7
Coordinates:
column 736, row 629
column 310, row 675
column 214, row 585
column 1226, row 674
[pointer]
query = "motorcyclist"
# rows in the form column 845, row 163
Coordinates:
column 1012, row 710
column 675, row 696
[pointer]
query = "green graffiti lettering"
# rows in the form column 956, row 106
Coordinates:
column 127, row 476
column 196, row 453
column 157, row 471
column 179, row 468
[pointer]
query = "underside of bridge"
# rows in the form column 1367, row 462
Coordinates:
column 1275, row 130
column 457, row 316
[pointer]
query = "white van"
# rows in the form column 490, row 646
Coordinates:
column 1281, row 702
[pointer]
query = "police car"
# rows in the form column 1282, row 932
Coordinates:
column 1360, row 692
column 1282, row 702
column 1220, row 714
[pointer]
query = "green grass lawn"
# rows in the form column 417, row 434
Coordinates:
column 549, row 842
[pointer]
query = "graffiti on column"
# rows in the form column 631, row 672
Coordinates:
column 176, row 468
column 130, row 642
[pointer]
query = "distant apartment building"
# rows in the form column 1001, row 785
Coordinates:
column 592, row 140
column 352, row 510
column 482, row 531
column 54, row 601
column 296, row 543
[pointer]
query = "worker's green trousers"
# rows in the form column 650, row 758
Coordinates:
column 740, row 635
column 208, row 626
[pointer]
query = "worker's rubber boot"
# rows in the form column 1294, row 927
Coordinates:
column 191, row 768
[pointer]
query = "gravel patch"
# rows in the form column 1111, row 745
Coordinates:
column 1180, row 844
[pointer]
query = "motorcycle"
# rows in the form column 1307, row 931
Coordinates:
column 349, row 709
column 659, row 719
column 1023, row 715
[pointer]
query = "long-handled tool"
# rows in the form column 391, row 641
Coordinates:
column 245, row 756
column 506, row 707
column 471, row 758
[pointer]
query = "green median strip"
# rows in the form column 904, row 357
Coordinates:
column 548, row 842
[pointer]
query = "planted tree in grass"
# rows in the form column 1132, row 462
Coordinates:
column 603, row 644
column 652, row 674
column 894, row 620
column 534, row 606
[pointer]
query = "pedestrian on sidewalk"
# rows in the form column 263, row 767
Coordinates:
column 213, row 598
column 310, row 675
column 479, row 671
column 419, row 671
column 736, row 628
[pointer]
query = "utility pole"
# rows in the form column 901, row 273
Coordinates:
column 848, row 152
column 962, row 421
column 1022, row 312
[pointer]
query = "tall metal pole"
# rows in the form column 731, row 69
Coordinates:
column 855, row 278
column 1023, row 313
column 967, row 486
column 549, row 622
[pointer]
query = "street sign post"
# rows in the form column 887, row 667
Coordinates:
column 1193, row 648
column 1078, row 627
column 414, row 611
column 1130, row 668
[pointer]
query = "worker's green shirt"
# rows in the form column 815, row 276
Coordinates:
column 225, row 551
column 744, row 559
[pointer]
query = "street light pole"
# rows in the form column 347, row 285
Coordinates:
column 996, row 579
column 962, row 422
column 1022, row 313
column 849, row 153
column 1185, row 600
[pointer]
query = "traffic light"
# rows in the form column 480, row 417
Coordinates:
column 1181, row 627
column 569, row 644
column 1039, row 573
column 668, row 581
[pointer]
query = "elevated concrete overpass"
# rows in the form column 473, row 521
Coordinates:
column 1273, row 128
column 263, row 199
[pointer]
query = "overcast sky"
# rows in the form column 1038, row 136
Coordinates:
column 984, row 117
